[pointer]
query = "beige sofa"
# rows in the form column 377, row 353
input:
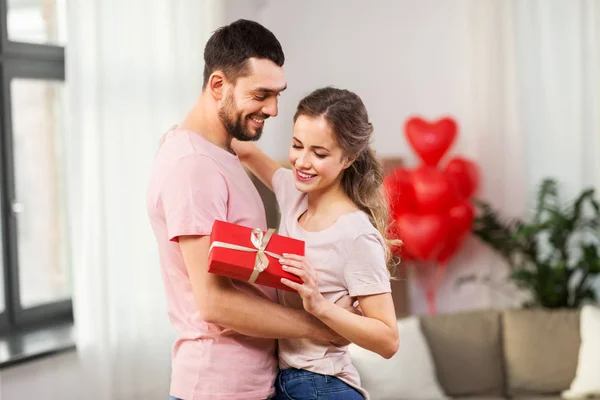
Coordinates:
column 516, row 354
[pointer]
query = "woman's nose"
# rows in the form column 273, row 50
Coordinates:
column 302, row 161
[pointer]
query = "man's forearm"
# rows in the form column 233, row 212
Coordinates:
column 220, row 302
column 256, row 316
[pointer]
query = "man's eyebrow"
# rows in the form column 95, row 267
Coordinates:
column 270, row 90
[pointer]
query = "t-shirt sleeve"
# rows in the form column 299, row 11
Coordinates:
column 366, row 272
column 193, row 196
column 285, row 189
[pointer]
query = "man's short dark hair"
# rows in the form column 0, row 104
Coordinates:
column 230, row 47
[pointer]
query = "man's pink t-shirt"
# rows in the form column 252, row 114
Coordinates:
column 193, row 183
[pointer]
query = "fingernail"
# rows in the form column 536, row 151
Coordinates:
column 282, row 260
column 286, row 254
column 285, row 267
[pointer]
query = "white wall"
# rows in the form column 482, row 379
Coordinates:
column 402, row 57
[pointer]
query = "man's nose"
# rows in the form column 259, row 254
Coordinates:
column 271, row 107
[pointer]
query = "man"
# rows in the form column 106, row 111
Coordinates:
column 227, row 329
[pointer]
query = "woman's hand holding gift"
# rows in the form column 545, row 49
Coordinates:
column 312, row 300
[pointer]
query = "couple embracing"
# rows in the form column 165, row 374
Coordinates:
column 238, row 340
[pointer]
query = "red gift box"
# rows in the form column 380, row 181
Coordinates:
column 239, row 252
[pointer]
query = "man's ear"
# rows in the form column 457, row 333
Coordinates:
column 216, row 84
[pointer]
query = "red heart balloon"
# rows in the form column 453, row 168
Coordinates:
column 433, row 190
column 430, row 140
column 422, row 234
column 460, row 217
column 406, row 256
column 460, row 221
column 464, row 175
column 399, row 191
column 450, row 248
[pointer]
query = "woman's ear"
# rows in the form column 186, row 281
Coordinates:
column 348, row 160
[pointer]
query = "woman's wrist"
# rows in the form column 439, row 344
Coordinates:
column 243, row 149
column 322, row 309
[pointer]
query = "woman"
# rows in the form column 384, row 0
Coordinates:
column 332, row 198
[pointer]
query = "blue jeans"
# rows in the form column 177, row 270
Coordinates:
column 297, row 384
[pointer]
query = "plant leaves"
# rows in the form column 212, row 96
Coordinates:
column 543, row 253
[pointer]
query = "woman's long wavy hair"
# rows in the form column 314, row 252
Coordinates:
column 363, row 179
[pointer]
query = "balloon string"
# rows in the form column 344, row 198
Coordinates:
column 430, row 276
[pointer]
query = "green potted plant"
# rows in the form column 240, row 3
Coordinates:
column 555, row 256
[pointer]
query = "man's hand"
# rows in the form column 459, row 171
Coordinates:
column 349, row 304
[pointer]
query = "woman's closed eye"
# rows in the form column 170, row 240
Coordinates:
column 319, row 155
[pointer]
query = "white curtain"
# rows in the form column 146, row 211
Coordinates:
column 559, row 63
column 534, row 96
column 536, row 80
column 133, row 69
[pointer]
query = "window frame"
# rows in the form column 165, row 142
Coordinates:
column 28, row 61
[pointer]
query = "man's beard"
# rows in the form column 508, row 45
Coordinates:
column 235, row 124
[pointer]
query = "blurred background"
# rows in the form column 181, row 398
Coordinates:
column 87, row 87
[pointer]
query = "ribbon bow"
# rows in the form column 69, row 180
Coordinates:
column 260, row 242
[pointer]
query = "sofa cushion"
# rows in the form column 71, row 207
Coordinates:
column 541, row 348
column 533, row 397
column 587, row 379
column 542, row 397
column 479, row 398
column 466, row 348
column 550, row 397
column 409, row 374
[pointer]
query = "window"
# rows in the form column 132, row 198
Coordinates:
column 35, row 281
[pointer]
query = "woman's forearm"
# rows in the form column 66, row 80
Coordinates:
column 258, row 162
column 369, row 333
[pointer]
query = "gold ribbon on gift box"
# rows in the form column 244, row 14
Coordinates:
column 260, row 242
